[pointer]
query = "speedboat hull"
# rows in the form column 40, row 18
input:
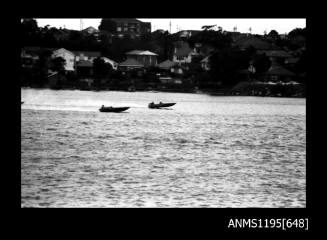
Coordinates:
column 161, row 105
column 113, row 109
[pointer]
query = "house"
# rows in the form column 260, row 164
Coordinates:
column 166, row 65
column 86, row 55
column 183, row 53
column 113, row 64
column 278, row 73
column 130, row 64
column 68, row 56
column 146, row 58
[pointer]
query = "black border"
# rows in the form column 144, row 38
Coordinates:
column 210, row 220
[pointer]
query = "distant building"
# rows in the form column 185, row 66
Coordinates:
column 68, row 56
column 130, row 27
column 146, row 58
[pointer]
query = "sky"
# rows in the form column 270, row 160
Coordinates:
column 258, row 26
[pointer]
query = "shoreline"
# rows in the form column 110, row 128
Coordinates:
column 223, row 93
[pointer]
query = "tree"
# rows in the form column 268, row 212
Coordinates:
column 42, row 67
column 29, row 31
column 273, row 34
column 58, row 64
column 108, row 25
column 225, row 64
column 297, row 32
column 261, row 63
column 101, row 69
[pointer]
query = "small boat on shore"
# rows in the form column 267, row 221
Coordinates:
column 160, row 105
column 113, row 109
column 22, row 103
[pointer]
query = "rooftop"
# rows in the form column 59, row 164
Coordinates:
column 166, row 64
column 141, row 52
column 257, row 43
column 279, row 70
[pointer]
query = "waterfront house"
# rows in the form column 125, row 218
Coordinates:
column 183, row 54
column 166, row 65
column 278, row 73
column 146, row 58
column 68, row 56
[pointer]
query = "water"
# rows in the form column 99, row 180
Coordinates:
column 205, row 151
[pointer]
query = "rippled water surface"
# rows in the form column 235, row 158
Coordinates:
column 206, row 151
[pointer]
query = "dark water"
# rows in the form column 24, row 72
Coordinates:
column 203, row 152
